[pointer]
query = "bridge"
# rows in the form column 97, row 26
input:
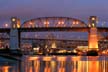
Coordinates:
column 53, row 24
column 54, row 29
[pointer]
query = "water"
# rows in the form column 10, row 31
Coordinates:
column 56, row 64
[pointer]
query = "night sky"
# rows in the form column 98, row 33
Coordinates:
column 27, row 9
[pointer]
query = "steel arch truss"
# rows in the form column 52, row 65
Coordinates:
column 53, row 22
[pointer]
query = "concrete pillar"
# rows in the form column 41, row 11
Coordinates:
column 93, row 38
column 14, row 34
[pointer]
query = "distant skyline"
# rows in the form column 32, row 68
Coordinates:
column 28, row 9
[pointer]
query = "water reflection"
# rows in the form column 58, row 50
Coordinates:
column 4, row 69
column 9, row 66
column 69, row 64
column 58, row 64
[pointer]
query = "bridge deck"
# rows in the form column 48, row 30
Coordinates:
column 43, row 29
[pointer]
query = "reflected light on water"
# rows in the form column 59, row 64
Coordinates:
column 47, row 67
column 33, row 58
column 37, row 66
column 60, row 64
column 61, row 67
column 61, row 58
column 92, row 58
column 93, row 66
column 76, row 58
column 53, row 66
column 47, row 58
column 6, row 68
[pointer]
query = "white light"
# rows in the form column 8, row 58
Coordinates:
column 73, row 22
column 36, row 49
column 6, row 25
column 13, row 19
column 93, row 24
column 93, row 18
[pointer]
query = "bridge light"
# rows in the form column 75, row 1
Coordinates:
column 93, row 25
column 89, row 25
column 30, row 23
column 6, row 25
column 46, row 23
column 93, row 18
column 59, row 22
column 62, row 22
column 13, row 19
column 77, row 22
column 73, row 22
column 74, row 51
column 18, row 25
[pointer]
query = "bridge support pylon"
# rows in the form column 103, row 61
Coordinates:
column 14, row 34
column 93, row 38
